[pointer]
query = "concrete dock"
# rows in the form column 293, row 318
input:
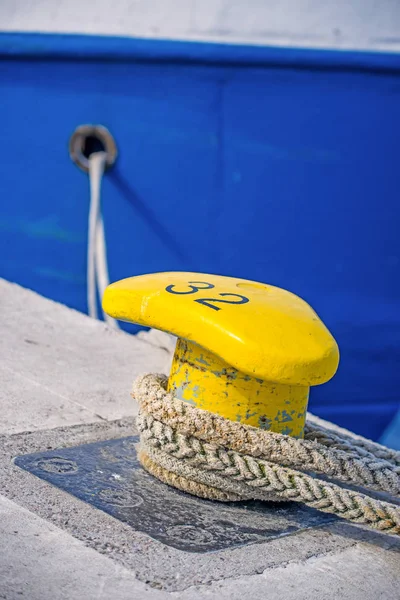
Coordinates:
column 65, row 388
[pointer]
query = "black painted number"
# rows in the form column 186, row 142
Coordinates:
column 196, row 286
column 207, row 301
column 193, row 288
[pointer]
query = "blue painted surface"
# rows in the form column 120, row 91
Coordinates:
column 113, row 48
column 272, row 168
column 391, row 435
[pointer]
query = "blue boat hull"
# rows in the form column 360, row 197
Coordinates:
column 251, row 162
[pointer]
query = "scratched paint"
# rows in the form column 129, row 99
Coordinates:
column 60, row 275
column 208, row 382
column 45, row 228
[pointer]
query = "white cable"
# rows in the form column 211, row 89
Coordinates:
column 96, row 169
column 97, row 268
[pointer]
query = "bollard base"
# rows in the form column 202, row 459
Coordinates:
column 108, row 475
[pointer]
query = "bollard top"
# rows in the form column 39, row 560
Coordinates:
column 261, row 330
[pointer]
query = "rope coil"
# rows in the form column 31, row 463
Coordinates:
column 212, row 457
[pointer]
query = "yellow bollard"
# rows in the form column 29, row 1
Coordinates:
column 246, row 350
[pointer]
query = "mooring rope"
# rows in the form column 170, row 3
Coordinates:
column 212, row 457
column 97, row 267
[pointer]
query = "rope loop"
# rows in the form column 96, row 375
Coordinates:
column 212, row 457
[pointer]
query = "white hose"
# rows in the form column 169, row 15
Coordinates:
column 97, row 268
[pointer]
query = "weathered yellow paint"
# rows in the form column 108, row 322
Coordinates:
column 262, row 347
column 208, row 382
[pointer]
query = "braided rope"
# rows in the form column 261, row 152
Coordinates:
column 321, row 431
column 213, row 457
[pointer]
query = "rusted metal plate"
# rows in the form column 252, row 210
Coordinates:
column 108, row 476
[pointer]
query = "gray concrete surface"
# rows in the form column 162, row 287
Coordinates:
column 68, row 385
column 357, row 572
column 58, row 367
column 40, row 562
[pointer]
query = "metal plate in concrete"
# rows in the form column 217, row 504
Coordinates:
column 108, row 476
